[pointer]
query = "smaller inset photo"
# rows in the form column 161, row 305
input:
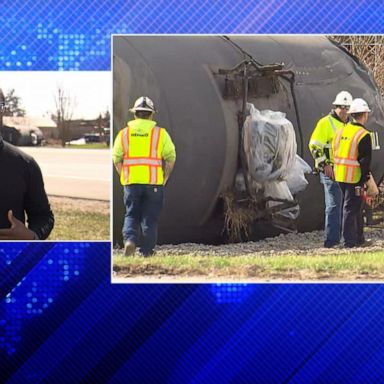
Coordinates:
column 247, row 158
column 55, row 155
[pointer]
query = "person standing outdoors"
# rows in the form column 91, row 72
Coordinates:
column 25, row 212
column 320, row 146
column 144, row 156
column 352, row 148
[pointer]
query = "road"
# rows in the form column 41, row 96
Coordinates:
column 82, row 173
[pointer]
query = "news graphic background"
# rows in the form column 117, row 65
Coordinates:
column 60, row 318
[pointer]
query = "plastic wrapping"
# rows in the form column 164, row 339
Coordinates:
column 296, row 180
column 273, row 166
column 279, row 190
column 270, row 145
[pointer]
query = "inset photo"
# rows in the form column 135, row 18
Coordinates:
column 55, row 155
column 247, row 158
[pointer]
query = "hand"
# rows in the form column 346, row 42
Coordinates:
column 118, row 167
column 18, row 230
column 328, row 171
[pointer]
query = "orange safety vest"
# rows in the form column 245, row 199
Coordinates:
column 345, row 150
column 142, row 162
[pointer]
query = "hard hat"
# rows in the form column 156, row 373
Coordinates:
column 343, row 98
column 358, row 106
column 143, row 103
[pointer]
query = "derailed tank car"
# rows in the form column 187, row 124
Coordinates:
column 200, row 86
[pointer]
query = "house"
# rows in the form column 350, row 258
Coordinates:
column 21, row 131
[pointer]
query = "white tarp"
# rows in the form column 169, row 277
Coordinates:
column 270, row 147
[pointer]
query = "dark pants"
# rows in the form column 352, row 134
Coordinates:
column 353, row 223
column 143, row 204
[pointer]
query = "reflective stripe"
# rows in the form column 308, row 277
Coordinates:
column 155, row 141
column 142, row 161
column 153, row 175
column 349, row 175
column 154, row 146
column 353, row 149
column 125, row 138
column 317, row 143
column 342, row 161
column 332, row 124
column 337, row 141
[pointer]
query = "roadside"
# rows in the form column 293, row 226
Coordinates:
column 293, row 257
column 89, row 146
column 80, row 219
column 74, row 172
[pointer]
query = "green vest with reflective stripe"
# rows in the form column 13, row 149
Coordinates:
column 323, row 134
column 142, row 162
column 345, row 150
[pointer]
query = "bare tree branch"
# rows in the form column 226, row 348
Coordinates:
column 370, row 50
column 65, row 105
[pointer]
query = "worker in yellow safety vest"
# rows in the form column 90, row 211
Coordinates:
column 144, row 156
column 320, row 146
column 352, row 149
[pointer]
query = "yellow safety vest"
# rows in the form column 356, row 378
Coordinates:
column 323, row 135
column 142, row 162
column 345, row 150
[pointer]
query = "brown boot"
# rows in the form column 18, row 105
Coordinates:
column 129, row 248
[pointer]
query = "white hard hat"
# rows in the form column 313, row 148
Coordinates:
column 143, row 103
column 343, row 98
column 358, row 106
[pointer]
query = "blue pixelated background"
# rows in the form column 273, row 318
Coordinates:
column 76, row 35
column 60, row 318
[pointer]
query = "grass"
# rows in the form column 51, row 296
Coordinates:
column 345, row 266
column 89, row 146
column 72, row 223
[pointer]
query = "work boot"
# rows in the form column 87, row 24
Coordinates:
column 147, row 254
column 331, row 245
column 366, row 243
column 129, row 248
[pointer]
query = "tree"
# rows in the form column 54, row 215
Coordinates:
column 107, row 118
column 13, row 105
column 370, row 50
column 65, row 105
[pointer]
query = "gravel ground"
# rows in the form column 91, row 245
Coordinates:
column 303, row 244
column 292, row 243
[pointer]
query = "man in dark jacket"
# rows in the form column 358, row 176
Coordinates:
column 22, row 195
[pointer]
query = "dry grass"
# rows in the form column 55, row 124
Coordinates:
column 348, row 266
column 238, row 217
column 80, row 219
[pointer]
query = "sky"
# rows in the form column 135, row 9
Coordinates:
column 92, row 91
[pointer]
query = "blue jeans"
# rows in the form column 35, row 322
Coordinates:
column 143, row 204
column 333, row 208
